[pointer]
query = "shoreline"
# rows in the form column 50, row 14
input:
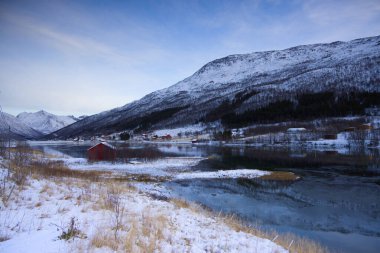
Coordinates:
column 110, row 214
column 107, row 214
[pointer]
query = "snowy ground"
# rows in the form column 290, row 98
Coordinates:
column 174, row 168
column 340, row 144
column 242, row 173
column 113, row 217
column 160, row 167
column 175, row 131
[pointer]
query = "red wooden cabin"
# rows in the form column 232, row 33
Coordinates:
column 102, row 151
column 167, row 137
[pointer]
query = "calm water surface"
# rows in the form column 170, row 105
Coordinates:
column 336, row 201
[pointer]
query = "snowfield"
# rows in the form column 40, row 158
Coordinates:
column 175, row 131
column 113, row 218
column 242, row 173
column 161, row 167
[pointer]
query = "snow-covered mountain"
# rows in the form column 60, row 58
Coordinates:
column 45, row 122
column 256, row 79
column 18, row 130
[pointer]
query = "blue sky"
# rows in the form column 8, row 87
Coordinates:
column 84, row 57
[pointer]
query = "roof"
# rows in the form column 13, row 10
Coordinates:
column 105, row 144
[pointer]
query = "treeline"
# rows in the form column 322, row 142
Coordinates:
column 305, row 107
column 226, row 106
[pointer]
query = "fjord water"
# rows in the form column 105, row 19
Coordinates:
column 336, row 200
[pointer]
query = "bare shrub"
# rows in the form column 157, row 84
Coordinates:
column 116, row 205
column 19, row 176
column 3, row 148
column 71, row 231
column 22, row 154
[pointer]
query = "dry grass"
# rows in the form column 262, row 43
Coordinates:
column 289, row 241
column 103, row 238
column 48, row 169
column 131, row 237
column 108, row 194
column 280, row 176
column 142, row 233
column 45, row 188
column 146, row 233
column 299, row 244
column 180, row 203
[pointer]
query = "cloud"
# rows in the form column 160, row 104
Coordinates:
column 268, row 25
column 349, row 11
column 76, row 45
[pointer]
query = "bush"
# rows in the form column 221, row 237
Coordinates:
column 71, row 232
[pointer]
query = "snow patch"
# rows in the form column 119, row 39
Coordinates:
column 223, row 174
column 183, row 130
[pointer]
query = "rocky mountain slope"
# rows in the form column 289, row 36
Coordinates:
column 18, row 130
column 45, row 122
column 245, row 82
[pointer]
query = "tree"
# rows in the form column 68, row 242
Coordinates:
column 125, row 136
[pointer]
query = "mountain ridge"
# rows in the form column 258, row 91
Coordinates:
column 260, row 78
column 45, row 122
column 18, row 130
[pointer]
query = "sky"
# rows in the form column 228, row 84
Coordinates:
column 84, row 57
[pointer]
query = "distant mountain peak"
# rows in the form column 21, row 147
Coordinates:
column 42, row 112
column 44, row 121
column 18, row 129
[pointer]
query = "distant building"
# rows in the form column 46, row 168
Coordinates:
column 101, row 152
column 166, row 137
column 365, row 127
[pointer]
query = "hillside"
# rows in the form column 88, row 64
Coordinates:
column 260, row 83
